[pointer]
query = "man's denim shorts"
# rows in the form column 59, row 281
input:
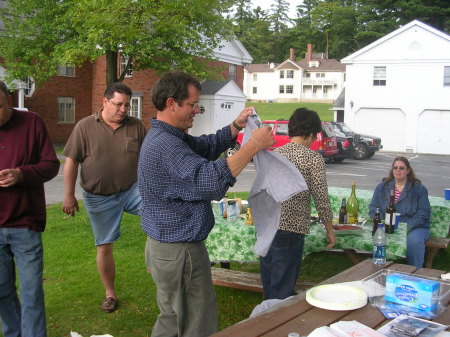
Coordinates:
column 105, row 212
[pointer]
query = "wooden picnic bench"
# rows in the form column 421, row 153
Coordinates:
column 433, row 245
column 246, row 280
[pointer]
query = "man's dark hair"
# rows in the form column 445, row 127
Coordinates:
column 117, row 87
column 173, row 84
column 4, row 89
column 303, row 122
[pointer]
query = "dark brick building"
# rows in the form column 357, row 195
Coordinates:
column 76, row 93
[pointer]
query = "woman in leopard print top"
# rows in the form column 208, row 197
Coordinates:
column 281, row 266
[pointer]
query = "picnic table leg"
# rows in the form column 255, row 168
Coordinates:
column 431, row 252
column 225, row 265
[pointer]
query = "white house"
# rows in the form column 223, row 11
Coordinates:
column 15, row 85
column 398, row 88
column 222, row 101
column 315, row 78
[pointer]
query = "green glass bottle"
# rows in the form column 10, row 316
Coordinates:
column 352, row 206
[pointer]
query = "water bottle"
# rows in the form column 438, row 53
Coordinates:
column 379, row 246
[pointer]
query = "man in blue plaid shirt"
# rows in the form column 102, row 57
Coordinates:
column 178, row 176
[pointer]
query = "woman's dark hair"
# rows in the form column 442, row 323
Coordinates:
column 411, row 176
column 303, row 122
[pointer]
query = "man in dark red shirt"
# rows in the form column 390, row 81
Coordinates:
column 27, row 160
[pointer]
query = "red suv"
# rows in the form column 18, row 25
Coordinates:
column 325, row 144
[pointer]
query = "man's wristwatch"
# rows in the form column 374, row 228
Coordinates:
column 236, row 126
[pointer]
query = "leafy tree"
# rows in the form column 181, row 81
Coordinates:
column 160, row 35
column 378, row 18
column 242, row 18
column 252, row 29
column 279, row 15
column 303, row 31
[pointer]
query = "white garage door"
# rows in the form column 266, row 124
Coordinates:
column 433, row 132
column 388, row 124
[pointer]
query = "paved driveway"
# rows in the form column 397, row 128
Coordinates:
column 432, row 170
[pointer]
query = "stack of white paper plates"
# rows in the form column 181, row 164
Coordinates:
column 336, row 297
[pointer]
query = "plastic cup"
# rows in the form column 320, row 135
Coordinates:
column 447, row 194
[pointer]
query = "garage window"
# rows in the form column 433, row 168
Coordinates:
column 379, row 76
column 446, row 76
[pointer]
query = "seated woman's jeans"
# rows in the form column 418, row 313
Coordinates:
column 415, row 246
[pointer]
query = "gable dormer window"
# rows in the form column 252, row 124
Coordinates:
column 314, row 63
column 379, row 76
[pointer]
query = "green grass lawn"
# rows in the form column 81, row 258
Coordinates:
column 285, row 110
column 73, row 289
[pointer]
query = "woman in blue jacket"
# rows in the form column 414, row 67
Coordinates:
column 411, row 201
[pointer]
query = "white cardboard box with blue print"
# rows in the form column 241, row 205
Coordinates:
column 413, row 291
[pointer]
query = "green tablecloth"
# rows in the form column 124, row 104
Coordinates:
column 234, row 241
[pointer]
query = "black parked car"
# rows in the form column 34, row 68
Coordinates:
column 346, row 145
column 365, row 146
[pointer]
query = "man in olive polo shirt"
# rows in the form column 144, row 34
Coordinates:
column 106, row 145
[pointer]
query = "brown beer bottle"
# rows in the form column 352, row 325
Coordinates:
column 376, row 221
column 343, row 219
column 389, row 221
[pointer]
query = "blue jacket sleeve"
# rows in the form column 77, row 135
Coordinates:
column 418, row 212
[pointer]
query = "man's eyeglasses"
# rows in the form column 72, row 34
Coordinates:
column 119, row 106
column 401, row 168
column 195, row 106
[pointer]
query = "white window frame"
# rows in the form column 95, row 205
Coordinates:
column 67, row 103
column 379, row 76
column 289, row 74
column 446, row 76
column 30, row 86
column 136, row 107
column 123, row 63
column 255, row 90
column 255, row 77
column 66, row 71
column 281, row 73
column 281, row 89
column 232, row 72
column 289, row 89
column 227, row 106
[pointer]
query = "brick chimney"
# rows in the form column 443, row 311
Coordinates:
column 291, row 54
column 309, row 52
